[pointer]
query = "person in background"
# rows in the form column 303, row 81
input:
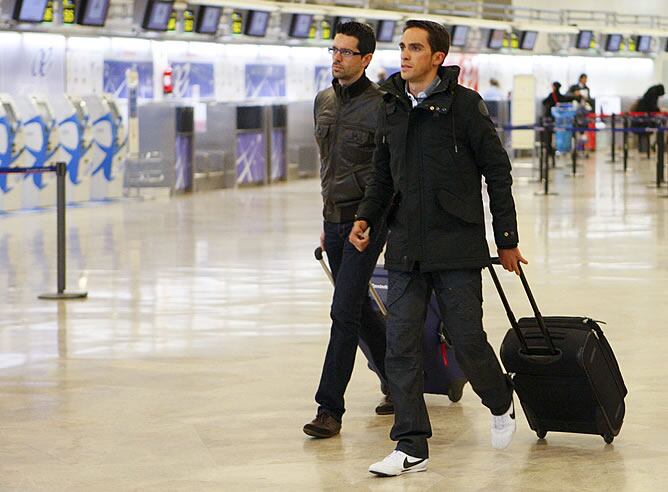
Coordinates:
column 435, row 142
column 580, row 92
column 553, row 98
column 648, row 103
column 345, row 124
column 494, row 92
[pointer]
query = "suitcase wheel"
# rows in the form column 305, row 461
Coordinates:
column 541, row 434
column 456, row 390
column 608, row 438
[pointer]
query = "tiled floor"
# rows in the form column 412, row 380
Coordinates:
column 193, row 363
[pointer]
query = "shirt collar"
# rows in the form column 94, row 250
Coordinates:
column 425, row 93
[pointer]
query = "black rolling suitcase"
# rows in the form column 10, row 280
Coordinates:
column 564, row 371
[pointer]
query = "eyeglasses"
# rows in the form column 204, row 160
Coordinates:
column 344, row 52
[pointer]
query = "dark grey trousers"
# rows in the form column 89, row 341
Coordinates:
column 459, row 294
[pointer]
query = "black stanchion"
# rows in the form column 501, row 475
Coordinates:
column 61, row 172
column 546, row 145
column 660, row 150
column 625, row 140
column 574, row 151
column 542, row 158
column 551, row 152
column 613, row 124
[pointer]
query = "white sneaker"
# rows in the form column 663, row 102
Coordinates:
column 397, row 463
column 503, row 428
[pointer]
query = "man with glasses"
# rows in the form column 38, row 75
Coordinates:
column 345, row 122
column 435, row 142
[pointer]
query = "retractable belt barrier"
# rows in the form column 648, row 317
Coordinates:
column 61, row 172
column 656, row 124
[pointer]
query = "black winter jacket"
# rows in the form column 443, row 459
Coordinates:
column 431, row 159
column 345, row 127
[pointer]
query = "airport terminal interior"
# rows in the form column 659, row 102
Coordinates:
column 160, row 186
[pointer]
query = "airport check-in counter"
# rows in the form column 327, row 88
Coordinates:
column 214, row 148
column 157, row 148
column 303, row 159
column 234, row 144
column 261, row 144
column 278, row 136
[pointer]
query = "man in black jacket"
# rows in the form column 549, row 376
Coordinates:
column 434, row 143
column 345, row 120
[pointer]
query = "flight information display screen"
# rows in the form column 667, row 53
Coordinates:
column 613, row 42
column 300, row 26
column 157, row 15
column 93, row 12
column 495, row 40
column 528, row 40
column 459, row 35
column 256, row 24
column 385, row 31
column 643, row 44
column 208, row 20
column 584, row 40
column 30, row 10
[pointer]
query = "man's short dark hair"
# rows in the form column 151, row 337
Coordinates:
column 582, row 75
column 437, row 35
column 366, row 38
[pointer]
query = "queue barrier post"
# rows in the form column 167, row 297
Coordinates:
column 61, row 173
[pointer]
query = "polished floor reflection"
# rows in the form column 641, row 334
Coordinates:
column 193, row 363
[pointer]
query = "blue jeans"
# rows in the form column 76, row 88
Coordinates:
column 353, row 317
column 459, row 294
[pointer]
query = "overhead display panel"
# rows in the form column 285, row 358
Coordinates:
column 29, row 10
column 528, row 40
column 613, row 42
column 208, row 19
column 300, row 26
column 385, row 31
column 459, row 35
column 495, row 39
column 158, row 13
column 257, row 22
column 92, row 12
column 643, row 44
column 584, row 40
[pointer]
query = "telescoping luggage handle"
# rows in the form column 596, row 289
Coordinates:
column 318, row 256
column 509, row 312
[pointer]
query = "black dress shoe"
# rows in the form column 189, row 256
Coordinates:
column 386, row 406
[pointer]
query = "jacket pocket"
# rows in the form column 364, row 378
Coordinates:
column 466, row 211
column 347, row 190
column 321, row 137
column 397, row 287
column 356, row 146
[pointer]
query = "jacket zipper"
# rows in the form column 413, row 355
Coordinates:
column 335, row 140
column 421, row 191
